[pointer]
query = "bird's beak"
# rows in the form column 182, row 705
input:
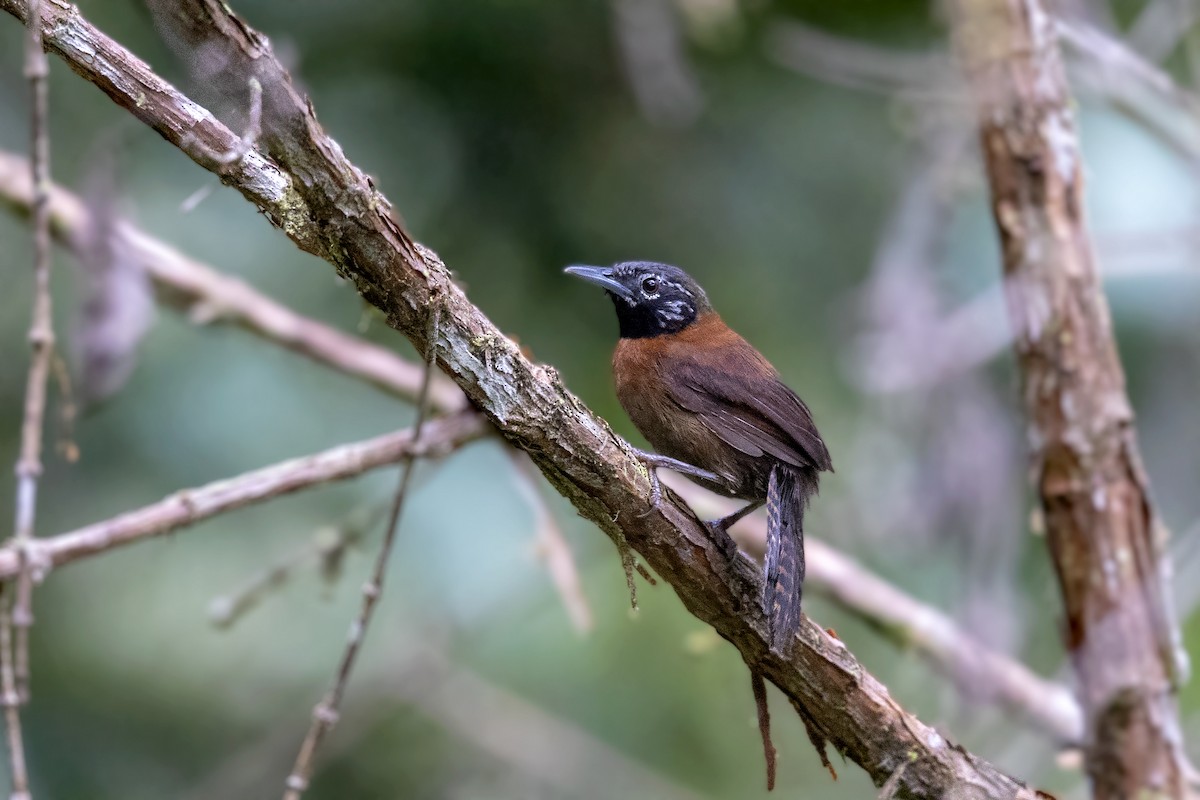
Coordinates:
column 601, row 276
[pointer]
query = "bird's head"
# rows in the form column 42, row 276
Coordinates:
column 651, row 299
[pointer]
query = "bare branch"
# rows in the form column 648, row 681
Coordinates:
column 1115, row 58
column 335, row 212
column 14, row 647
column 1107, row 543
column 1110, row 70
column 327, row 548
column 11, row 700
column 325, row 715
column 208, row 295
column 189, row 506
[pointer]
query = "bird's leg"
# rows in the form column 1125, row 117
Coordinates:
column 725, row 523
column 655, row 461
column 719, row 528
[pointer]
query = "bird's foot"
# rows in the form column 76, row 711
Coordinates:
column 655, row 492
column 719, row 533
column 719, row 528
column 654, row 461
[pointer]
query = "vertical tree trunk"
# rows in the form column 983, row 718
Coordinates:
column 1101, row 527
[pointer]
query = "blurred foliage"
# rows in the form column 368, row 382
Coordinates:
column 508, row 137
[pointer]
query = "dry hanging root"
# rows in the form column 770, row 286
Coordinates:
column 630, row 564
column 764, row 724
column 814, row 736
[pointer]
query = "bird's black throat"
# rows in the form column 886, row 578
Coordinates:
column 644, row 320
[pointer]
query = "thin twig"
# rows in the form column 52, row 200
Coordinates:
column 14, row 655
column 326, row 548
column 325, row 714
column 1160, row 25
column 1116, row 59
column 11, row 701
column 253, row 127
column 189, row 506
column 856, row 64
column 225, row 160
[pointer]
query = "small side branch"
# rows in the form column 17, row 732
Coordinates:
column 14, row 651
column 325, row 714
column 11, row 701
column 190, row 506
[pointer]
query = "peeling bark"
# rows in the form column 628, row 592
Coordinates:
column 1104, row 537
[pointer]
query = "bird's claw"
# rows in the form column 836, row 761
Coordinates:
column 655, row 491
column 718, row 532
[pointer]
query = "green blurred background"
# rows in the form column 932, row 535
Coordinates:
column 840, row 230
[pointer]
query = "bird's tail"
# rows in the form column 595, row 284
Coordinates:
column 787, row 496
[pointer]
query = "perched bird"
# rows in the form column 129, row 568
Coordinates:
column 715, row 410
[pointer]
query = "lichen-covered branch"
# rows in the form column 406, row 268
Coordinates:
column 1104, row 537
column 306, row 187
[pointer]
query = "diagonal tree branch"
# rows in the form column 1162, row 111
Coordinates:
column 1048, row 706
column 329, row 208
column 1106, row 541
column 207, row 294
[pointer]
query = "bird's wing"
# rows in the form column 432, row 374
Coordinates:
column 755, row 412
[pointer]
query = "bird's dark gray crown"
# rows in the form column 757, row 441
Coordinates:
column 658, row 298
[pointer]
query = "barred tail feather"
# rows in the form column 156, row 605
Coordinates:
column 787, row 495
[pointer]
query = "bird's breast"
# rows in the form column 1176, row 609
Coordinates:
column 639, row 369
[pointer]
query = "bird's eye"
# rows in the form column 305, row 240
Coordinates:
column 650, row 285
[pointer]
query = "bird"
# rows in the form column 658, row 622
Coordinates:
column 714, row 409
